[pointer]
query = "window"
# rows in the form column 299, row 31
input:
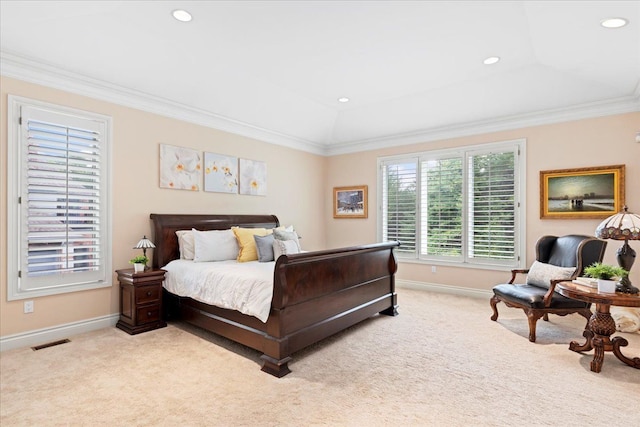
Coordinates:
column 459, row 205
column 59, row 204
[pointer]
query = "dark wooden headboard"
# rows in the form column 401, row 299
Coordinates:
column 165, row 227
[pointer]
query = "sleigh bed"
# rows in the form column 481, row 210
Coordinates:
column 315, row 294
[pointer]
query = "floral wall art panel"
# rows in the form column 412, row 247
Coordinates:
column 253, row 177
column 220, row 173
column 180, row 168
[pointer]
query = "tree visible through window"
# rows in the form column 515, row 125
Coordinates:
column 455, row 205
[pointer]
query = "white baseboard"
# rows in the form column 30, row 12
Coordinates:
column 446, row 289
column 42, row 336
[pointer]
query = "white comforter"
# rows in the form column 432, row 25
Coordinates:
column 243, row 286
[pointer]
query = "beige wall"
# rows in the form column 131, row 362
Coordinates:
column 299, row 192
column 583, row 143
column 295, row 181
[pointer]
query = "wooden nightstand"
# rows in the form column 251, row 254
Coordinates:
column 140, row 300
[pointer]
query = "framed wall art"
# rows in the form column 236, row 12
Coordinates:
column 253, row 177
column 350, row 202
column 595, row 192
column 220, row 173
column 180, row 168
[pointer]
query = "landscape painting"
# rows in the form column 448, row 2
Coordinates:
column 596, row 192
column 350, row 202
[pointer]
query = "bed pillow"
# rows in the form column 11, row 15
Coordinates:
column 248, row 250
column 264, row 245
column 285, row 247
column 186, row 244
column 214, row 245
column 287, row 235
column 540, row 274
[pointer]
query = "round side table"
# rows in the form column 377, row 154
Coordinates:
column 601, row 325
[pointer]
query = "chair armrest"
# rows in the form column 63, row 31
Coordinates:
column 515, row 272
column 552, row 288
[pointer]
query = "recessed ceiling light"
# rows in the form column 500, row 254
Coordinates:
column 491, row 60
column 614, row 22
column 343, row 99
column 182, row 15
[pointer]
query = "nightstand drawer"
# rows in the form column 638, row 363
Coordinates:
column 148, row 294
column 150, row 313
column 140, row 300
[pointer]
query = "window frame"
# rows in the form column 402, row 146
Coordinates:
column 519, row 147
column 16, row 218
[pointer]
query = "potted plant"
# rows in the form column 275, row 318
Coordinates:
column 607, row 275
column 139, row 263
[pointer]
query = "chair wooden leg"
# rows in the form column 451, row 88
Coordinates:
column 545, row 317
column 494, row 301
column 532, row 317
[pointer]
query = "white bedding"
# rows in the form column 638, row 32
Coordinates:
column 243, row 286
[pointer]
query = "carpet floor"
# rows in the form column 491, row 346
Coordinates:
column 441, row 362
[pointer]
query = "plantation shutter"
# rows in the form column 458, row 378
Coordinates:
column 442, row 207
column 492, row 205
column 62, row 200
column 399, row 204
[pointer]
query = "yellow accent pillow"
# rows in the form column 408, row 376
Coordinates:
column 248, row 250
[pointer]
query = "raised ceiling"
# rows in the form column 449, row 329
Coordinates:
column 274, row 70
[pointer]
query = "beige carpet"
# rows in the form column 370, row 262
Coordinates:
column 442, row 361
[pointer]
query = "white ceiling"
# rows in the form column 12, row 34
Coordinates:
column 275, row 69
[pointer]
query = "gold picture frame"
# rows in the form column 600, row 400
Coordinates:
column 350, row 202
column 595, row 192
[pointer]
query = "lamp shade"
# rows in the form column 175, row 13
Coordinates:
column 621, row 226
column 144, row 243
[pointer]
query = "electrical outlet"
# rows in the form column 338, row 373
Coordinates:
column 28, row 306
column 433, row 268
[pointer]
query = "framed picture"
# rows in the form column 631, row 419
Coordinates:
column 253, row 177
column 220, row 173
column 180, row 168
column 350, row 202
column 596, row 192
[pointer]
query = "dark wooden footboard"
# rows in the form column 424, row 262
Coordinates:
column 316, row 294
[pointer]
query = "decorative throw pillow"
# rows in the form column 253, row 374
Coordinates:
column 214, row 245
column 285, row 247
column 244, row 236
column 287, row 235
column 264, row 245
column 186, row 244
column 540, row 274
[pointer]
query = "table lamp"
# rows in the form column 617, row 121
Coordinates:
column 622, row 226
column 144, row 244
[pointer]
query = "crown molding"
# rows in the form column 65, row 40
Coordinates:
column 33, row 71
column 610, row 107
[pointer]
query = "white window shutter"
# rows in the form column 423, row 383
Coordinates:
column 399, row 198
column 63, row 221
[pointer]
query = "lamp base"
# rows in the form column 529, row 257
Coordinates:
column 626, row 256
column 626, row 287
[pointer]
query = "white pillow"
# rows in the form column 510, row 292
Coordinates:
column 540, row 274
column 186, row 244
column 285, row 247
column 287, row 235
column 215, row 245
